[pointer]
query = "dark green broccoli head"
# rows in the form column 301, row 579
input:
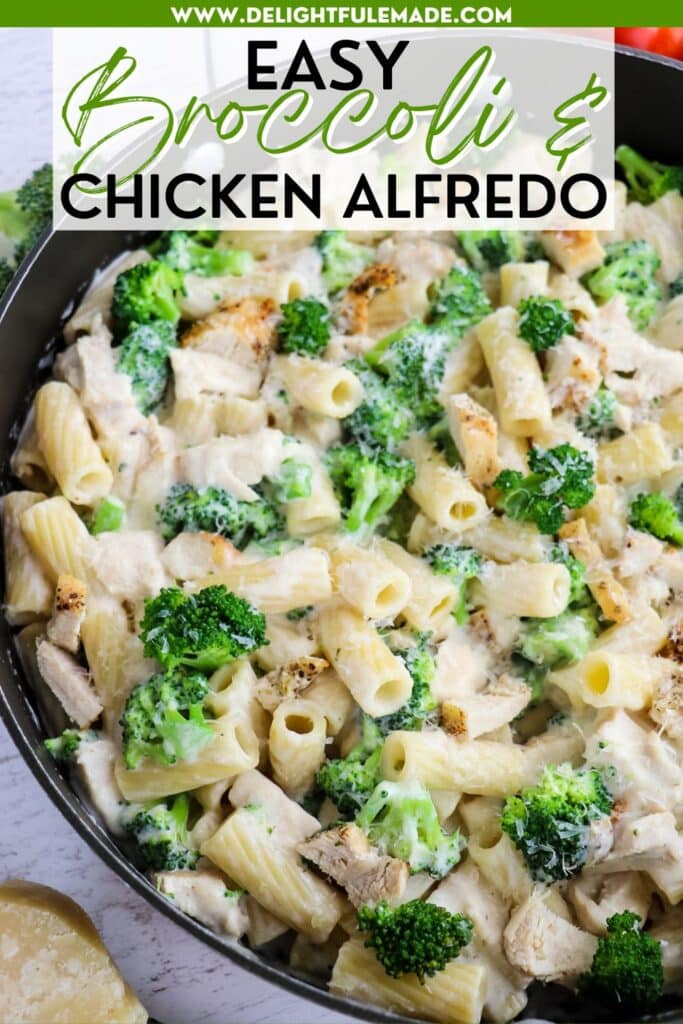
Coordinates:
column 543, row 322
column 400, row 519
column 381, row 420
column 349, row 781
column 161, row 835
column 294, row 480
column 656, row 514
column 647, row 179
column 458, row 300
column 415, row 938
column 401, row 820
column 25, row 214
column 489, row 250
column 597, row 419
column 342, row 259
column 203, row 630
column 578, row 593
column 144, row 355
column 413, row 359
column 65, row 747
column 420, row 706
column 560, row 478
column 195, row 252
column 626, row 974
column 368, row 484
column 549, row 822
column 144, row 293
column 675, row 288
column 164, row 719
column 215, row 510
column 460, row 564
column 305, row 327
column 560, row 640
column 629, row 270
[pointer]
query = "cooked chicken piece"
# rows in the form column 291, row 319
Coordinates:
column 94, row 763
column 573, row 373
column 596, row 897
column 540, row 942
column 494, row 628
column 673, row 646
column 475, row 433
column 264, row 927
column 68, row 612
column 405, row 252
column 192, row 555
column 479, row 713
column 204, row 895
column 600, row 840
column 360, row 293
column 575, row 252
column 201, row 374
column 651, row 844
column 288, row 681
column 640, row 553
column 346, row 856
column 601, row 582
column 667, row 703
column 129, row 564
column 243, row 332
column 69, row 682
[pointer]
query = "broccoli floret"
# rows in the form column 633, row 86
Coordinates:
column 542, row 322
column 535, row 677
column 203, row 630
column 488, row 250
column 294, row 480
column 549, row 822
column 460, row 564
column 64, row 748
column 144, row 355
column 419, row 707
column 400, row 519
column 342, row 259
column 381, row 420
column 161, row 835
column 368, row 484
column 597, row 419
column 24, row 215
column 560, row 640
column 215, row 510
column 459, row 300
column 305, row 327
column 401, row 820
column 656, row 514
column 560, row 478
column 144, row 293
column 647, row 179
column 414, row 938
column 579, row 594
column 195, row 252
column 629, row 270
column 164, row 719
column 675, row 288
column 626, row 973
column 108, row 516
column 441, row 437
column 350, row 780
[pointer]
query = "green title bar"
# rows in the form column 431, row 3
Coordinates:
column 393, row 14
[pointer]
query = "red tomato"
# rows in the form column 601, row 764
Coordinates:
column 667, row 41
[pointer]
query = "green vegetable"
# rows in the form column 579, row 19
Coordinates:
column 195, row 252
column 65, row 747
column 161, row 834
column 656, row 514
column 543, row 322
column 421, row 704
column 597, row 419
column 144, row 293
column 400, row 519
column 203, row 630
column 489, row 250
column 350, row 780
column 381, row 420
column 294, row 480
column 215, row 510
column 560, row 478
column 368, row 484
column 629, row 270
column 24, row 214
column 401, row 820
column 343, row 260
column 164, row 719
column 460, row 564
column 305, row 327
column 560, row 640
column 579, row 594
column 414, row 938
column 548, row 823
column 458, row 300
column 144, row 355
column 648, row 180
column 108, row 516
column 626, row 975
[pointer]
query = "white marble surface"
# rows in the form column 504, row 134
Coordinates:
column 178, row 978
